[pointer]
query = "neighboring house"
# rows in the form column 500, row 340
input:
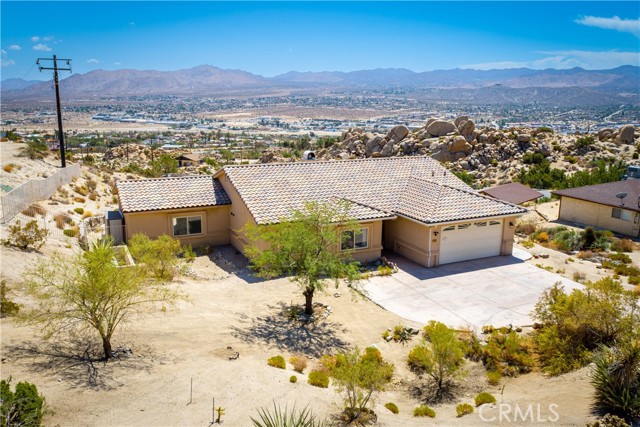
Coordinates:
column 603, row 206
column 410, row 205
column 188, row 160
column 514, row 192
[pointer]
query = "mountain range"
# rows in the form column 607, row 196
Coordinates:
column 620, row 84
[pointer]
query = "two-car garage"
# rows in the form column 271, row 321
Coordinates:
column 470, row 240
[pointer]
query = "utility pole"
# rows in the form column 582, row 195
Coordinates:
column 55, row 81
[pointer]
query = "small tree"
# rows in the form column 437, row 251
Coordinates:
column 358, row 376
column 20, row 408
column 441, row 359
column 91, row 291
column 24, row 237
column 308, row 247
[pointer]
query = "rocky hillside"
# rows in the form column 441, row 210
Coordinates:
column 486, row 153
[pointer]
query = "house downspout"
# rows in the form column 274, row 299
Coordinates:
column 429, row 251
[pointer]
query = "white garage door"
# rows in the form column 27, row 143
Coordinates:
column 471, row 240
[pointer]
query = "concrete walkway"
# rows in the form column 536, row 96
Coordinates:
column 494, row 291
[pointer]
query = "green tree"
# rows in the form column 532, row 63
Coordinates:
column 441, row 358
column 163, row 165
column 90, row 291
column 359, row 376
column 23, row 407
column 307, row 246
column 159, row 256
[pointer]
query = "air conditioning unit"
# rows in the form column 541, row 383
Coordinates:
column 309, row 155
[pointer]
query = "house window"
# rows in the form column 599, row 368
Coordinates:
column 187, row 225
column 355, row 239
column 622, row 214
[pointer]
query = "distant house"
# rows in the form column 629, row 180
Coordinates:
column 603, row 206
column 412, row 206
column 188, row 160
column 514, row 192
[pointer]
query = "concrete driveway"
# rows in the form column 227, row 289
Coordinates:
column 494, row 291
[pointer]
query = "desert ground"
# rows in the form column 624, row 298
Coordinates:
column 181, row 359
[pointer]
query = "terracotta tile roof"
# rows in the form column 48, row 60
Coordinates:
column 430, row 202
column 170, row 193
column 515, row 193
column 272, row 191
column 605, row 194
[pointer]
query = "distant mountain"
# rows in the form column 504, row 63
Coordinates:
column 16, row 84
column 620, row 84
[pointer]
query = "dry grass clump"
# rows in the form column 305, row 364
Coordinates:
column 8, row 168
column 61, row 220
column 87, row 214
column 33, row 210
column 299, row 363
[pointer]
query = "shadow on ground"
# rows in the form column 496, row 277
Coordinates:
column 278, row 330
column 232, row 261
column 77, row 361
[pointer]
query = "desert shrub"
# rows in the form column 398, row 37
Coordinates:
column 327, row 363
column 81, row 190
column 542, row 237
column 616, row 379
column 8, row 168
column 71, row 232
column 188, row 253
column 494, row 377
column 318, row 379
column 507, row 352
column 160, row 255
column 634, row 280
column 35, row 150
column 384, row 270
column 399, row 333
column 596, row 239
column 620, row 257
column 31, row 235
column 87, row 214
column 585, row 254
column 567, row 240
column 571, row 159
column 532, row 158
column 441, row 358
column 299, row 363
column 609, row 421
column 579, row 276
column 293, row 379
column 527, row 244
column 392, row 407
column 525, row 227
column 424, row 411
column 463, row 409
column 93, row 196
column 584, row 141
column 79, row 199
column 484, row 398
column 79, row 211
column 622, row 245
column 573, row 325
column 23, row 407
column 61, row 220
column 277, row 362
column 91, row 184
column 7, row 307
column 279, row 417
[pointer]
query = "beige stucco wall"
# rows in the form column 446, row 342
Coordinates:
column 215, row 224
column 374, row 251
column 239, row 215
column 597, row 215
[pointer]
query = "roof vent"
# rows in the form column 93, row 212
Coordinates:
column 309, row 155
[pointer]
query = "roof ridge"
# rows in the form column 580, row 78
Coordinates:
column 312, row 162
column 164, row 178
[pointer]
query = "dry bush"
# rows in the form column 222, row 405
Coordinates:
column 8, row 168
column 585, row 254
column 79, row 199
column 87, row 214
column 526, row 228
column 93, row 196
column 623, row 245
column 299, row 363
column 33, row 210
column 91, row 184
column 61, row 220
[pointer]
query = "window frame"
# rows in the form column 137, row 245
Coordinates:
column 191, row 216
column 621, row 214
column 354, row 233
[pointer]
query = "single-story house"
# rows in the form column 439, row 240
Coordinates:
column 613, row 206
column 412, row 206
column 189, row 159
column 514, row 192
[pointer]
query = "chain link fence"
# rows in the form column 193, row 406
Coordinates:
column 21, row 197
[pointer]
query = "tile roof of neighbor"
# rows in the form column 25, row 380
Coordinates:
column 605, row 194
column 170, row 193
column 514, row 192
column 272, row 191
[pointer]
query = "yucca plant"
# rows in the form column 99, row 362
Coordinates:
column 279, row 417
column 616, row 379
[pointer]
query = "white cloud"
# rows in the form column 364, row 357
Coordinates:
column 564, row 59
column 35, row 39
column 8, row 63
column 48, row 38
column 615, row 23
column 2, row 51
column 14, row 47
column 117, row 63
column 42, row 47
column 92, row 61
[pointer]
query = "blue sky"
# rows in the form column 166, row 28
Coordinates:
column 270, row 38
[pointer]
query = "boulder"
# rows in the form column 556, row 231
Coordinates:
column 483, row 138
column 374, row 145
column 442, row 156
column 387, row 150
column 523, row 137
column 458, row 144
column 440, row 128
column 344, row 156
column 459, row 120
column 626, row 134
column 544, row 149
column 466, row 128
column 397, row 134
column 431, row 120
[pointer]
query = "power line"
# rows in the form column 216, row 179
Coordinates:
column 55, row 69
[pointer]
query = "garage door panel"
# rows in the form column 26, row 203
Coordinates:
column 470, row 240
